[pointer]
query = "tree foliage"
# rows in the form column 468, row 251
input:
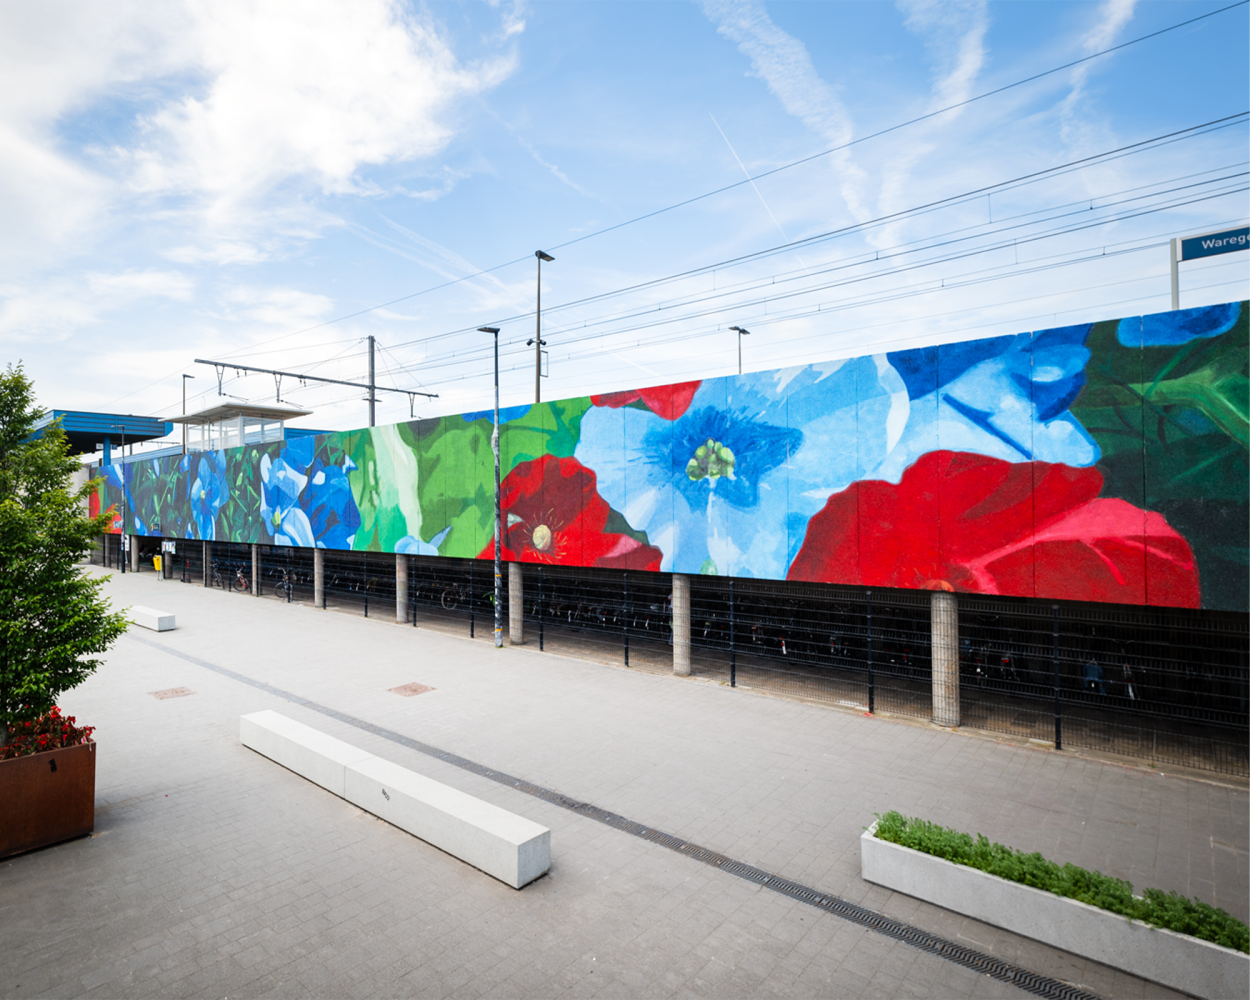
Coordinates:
column 53, row 618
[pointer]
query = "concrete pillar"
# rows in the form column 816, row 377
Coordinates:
column 944, row 655
column 208, row 563
column 319, row 577
column 401, row 587
column 681, row 625
column 255, row 570
column 134, row 553
column 516, row 603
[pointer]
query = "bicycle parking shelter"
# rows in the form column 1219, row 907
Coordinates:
column 1149, row 681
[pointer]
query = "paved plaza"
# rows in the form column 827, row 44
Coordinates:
column 214, row 872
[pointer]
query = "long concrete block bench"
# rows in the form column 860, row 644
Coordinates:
column 513, row 849
column 157, row 621
column 311, row 754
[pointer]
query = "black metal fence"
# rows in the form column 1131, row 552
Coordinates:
column 1159, row 684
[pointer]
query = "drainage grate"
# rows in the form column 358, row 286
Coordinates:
column 995, row 968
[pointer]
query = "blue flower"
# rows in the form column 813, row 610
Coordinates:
column 305, row 502
column 1006, row 397
column 282, row 481
column 506, row 414
column 209, row 492
column 409, row 545
column 1170, row 329
column 330, row 507
column 729, row 486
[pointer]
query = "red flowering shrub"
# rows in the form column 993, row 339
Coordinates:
column 667, row 401
column 965, row 522
column 552, row 513
column 53, row 731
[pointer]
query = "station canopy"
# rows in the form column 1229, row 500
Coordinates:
column 232, row 425
column 89, row 432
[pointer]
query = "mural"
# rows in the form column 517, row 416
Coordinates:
column 1102, row 462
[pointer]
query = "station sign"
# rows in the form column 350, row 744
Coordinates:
column 1210, row 244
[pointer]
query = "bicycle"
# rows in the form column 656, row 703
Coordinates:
column 240, row 582
column 284, row 588
column 218, row 580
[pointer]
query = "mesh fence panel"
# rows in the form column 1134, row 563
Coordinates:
column 1160, row 684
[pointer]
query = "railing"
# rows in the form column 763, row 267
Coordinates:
column 1160, row 684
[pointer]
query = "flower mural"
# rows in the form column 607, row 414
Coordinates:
column 306, row 502
column 978, row 524
column 1001, row 396
column 667, row 401
column 1103, row 461
column 209, row 491
column 552, row 513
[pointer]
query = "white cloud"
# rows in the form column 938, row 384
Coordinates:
column 1077, row 130
column 274, row 308
column 954, row 37
column 60, row 307
column 954, row 33
column 240, row 104
column 306, row 89
column 783, row 63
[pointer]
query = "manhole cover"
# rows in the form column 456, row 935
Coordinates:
column 171, row 693
column 408, row 690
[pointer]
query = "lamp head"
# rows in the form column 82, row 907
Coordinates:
column 530, row 343
column 741, row 331
column 543, row 256
column 488, row 329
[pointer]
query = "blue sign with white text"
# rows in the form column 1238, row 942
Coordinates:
column 1213, row 243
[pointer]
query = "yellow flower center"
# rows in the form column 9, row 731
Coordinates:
column 541, row 538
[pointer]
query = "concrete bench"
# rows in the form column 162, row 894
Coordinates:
column 513, row 849
column 157, row 621
column 311, row 754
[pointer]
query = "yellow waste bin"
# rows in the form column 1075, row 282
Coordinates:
column 156, row 562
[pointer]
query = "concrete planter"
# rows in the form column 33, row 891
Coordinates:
column 1175, row 960
column 46, row 798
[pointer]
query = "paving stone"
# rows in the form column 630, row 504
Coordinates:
column 214, row 871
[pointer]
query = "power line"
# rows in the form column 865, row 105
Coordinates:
column 884, row 256
column 1141, row 146
column 775, row 170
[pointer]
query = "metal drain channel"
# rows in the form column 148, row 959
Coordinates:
column 995, row 968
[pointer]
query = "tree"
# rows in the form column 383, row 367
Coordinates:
column 53, row 617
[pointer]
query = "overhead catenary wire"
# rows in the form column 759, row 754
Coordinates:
column 881, row 257
column 950, row 201
column 948, row 283
column 768, row 173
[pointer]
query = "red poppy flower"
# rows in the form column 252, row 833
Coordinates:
column 667, row 401
column 958, row 521
column 552, row 513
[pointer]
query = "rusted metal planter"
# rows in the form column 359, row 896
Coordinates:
column 46, row 798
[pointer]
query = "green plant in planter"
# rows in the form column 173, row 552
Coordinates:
column 52, row 616
column 1154, row 906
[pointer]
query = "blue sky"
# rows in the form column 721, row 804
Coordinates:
column 229, row 180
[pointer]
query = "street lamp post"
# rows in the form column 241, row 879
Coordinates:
column 494, row 446
column 125, row 511
column 184, row 411
column 741, row 332
column 538, row 341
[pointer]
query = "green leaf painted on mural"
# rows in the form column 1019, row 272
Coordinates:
column 1173, row 422
column 384, row 485
column 547, row 429
column 455, row 481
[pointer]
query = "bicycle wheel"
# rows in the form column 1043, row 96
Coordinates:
column 241, row 584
